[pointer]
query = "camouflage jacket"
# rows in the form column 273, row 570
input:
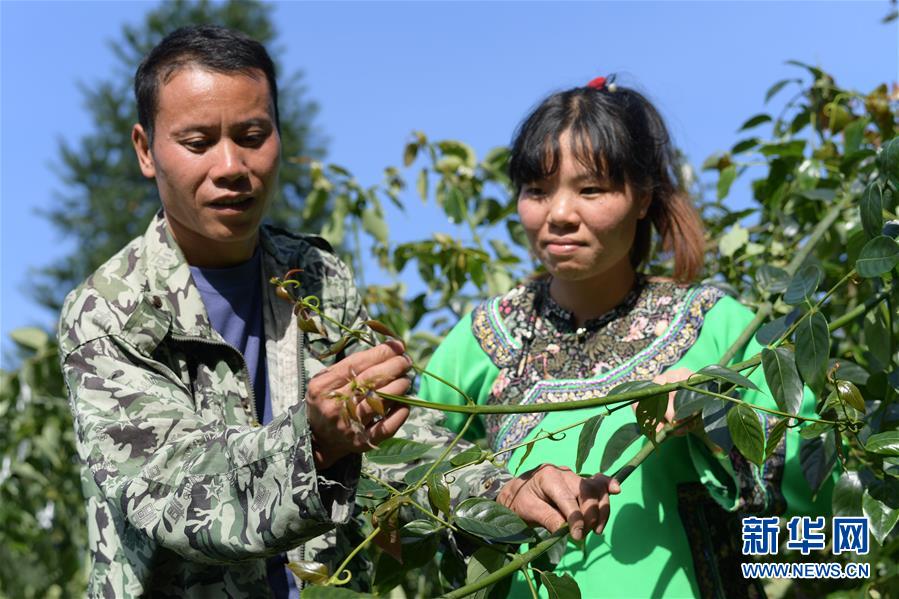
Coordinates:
column 186, row 493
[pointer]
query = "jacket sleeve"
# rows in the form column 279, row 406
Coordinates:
column 209, row 492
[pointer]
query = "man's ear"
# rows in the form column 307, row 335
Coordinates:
column 141, row 143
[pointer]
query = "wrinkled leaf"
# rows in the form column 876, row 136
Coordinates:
column 886, row 443
column 879, row 256
column 488, row 519
column 586, row 440
column 724, row 373
column 803, row 285
column 560, row 587
column 812, row 347
column 397, row 451
column 747, row 432
column 620, row 440
column 783, row 379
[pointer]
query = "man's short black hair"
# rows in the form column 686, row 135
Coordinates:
column 211, row 47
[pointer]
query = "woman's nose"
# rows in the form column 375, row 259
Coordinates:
column 562, row 210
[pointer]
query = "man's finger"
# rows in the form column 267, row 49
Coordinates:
column 389, row 425
column 555, row 489
column 354, row 365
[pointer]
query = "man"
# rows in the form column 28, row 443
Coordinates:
column 208, row 431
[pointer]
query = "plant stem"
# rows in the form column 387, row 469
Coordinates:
column 522, row 559
column 335, row 578
column 755, row 407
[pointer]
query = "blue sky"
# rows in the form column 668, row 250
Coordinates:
column 460, row 70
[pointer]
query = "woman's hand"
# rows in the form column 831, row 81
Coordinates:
column 671, row 376
column 549, row 496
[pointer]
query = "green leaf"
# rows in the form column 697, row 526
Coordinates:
column 484, row 561
column 733, row 240
column 527, row 451
column 817, row 457
column 688, row 402
column 421, row 184
column 854, row 135
column 849, row 371
column 560, row 587
column 877, row 339
column 849, row 393
column 488, row 519
column 886, row 443
column 847, row 495
column 746, row 144
column 803, row 285
column 469, row 456
column 315, row 203
column 455, row 206
column 374, row 224
column 788, row 149
column 369, row 489
column 776, row 88
column 397, row 451
column 416, row 530
column 30, row 337
column 880, row 503
column 620, row 440
column 814, row 430
column 888, row 159
column 871, row 210
column 409, row 153
column 586, row 440
column 774, row 437
column 771, row 279
column 650, row 412
column 755, row 121
column 724, row 373
column 812, row 347
column 438, row 492
column 783, row 379
column 725, row 180
column 517, row 233
column 747, row 432
column 770, row 331
column 879, row 256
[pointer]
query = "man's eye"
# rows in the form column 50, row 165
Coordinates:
column 196, row 145
column 252, row 140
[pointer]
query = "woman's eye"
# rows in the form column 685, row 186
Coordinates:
column 533, row 191
column 592, row 191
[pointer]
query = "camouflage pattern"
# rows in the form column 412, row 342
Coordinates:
column 186, row 493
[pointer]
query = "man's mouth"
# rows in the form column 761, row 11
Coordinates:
column 236, row 203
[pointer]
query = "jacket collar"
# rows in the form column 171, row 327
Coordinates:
column 170, row 288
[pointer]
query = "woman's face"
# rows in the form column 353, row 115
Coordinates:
column 577, row 225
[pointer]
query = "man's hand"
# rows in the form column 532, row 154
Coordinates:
column 550, row 496
column 333, row 434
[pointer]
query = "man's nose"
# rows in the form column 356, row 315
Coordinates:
column 229, row 163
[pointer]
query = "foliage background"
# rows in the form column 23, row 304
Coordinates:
column 816, row 154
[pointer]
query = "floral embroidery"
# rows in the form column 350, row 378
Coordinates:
column 544, row 357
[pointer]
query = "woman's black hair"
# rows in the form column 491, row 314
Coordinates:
column 617, row 134
column 211, row 47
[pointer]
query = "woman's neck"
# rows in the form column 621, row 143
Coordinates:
column 590, row 298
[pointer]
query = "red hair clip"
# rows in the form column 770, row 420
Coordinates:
column 598, row 83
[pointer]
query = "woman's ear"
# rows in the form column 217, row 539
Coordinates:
column 141, row 143
column 645, row 201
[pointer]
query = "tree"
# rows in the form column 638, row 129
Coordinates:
column 107, row 201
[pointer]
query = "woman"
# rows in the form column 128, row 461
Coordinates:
column 593, row 170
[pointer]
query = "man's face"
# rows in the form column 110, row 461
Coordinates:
column 215, row 158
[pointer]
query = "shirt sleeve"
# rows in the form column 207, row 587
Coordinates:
column 460, row 360
column 211, row 493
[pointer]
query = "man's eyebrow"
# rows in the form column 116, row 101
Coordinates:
column 265, row 123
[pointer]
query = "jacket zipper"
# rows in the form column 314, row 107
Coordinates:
column 302, row 368
column 251, row 408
